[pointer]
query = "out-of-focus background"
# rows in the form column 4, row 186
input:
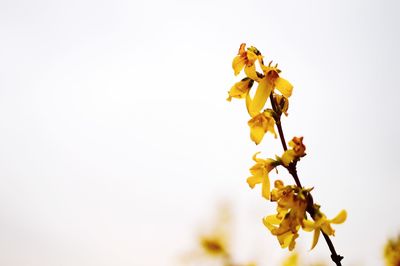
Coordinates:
column 117, row 144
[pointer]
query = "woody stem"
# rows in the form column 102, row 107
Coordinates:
column 293, row 171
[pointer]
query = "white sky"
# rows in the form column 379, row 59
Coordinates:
column 116, row 142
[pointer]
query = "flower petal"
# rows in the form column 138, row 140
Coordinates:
column 260, row 97
column 284, row 87
column 254, row 180
column 327, row 229
column 258, row 160
column 270, row 222
column 248, row 106
column 340, row 218
column 251, row 56
column 308, row 225
column 257, row 134
column 270, row 126
column 266, row 187
column 238, row 64
column 292, row 244
column 285, row 239
column 272, row 219
column 250, row 71
column 315, row 238
column 240, row 89
column 259, row 169
column 288, row 157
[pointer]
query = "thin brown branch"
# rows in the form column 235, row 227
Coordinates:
column 293, row 171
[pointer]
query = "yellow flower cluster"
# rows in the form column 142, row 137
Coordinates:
column 294, row 203
column 291, row 212
column 392, row 252
column 261, row 121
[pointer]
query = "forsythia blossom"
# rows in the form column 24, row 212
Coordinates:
column 321, row 223
column 270, row 80
column 214, row 245
column 260, row 124
column 297, row 150
column 392, row 252
column 246, row 59
column 267, row 81
column 291, row 212
column 295, row 206
column 260, row 173
column 240, row 89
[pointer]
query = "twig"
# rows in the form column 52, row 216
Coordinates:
column 293, row 171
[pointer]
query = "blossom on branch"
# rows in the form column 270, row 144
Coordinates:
column 295, row 205
column 260, row 173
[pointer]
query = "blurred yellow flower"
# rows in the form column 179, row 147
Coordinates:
column 260, row 173
column 392, row 252
column 292, row 260
column 214, row 245
column 215, row 242
column 261, row 124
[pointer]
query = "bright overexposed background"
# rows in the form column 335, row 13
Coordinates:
column 117, row 144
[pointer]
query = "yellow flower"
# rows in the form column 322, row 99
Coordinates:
column 260, row 124
column 272, row 75
column 282, row 230
column 322, row 223
column 297, row 150
column 260, row 173
column 266, row 84
column 292, row 204
column 216, row 241
column 214, row 245
column 246, row 59
column 240, row 89
column 392, row 252
column 292, row 260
